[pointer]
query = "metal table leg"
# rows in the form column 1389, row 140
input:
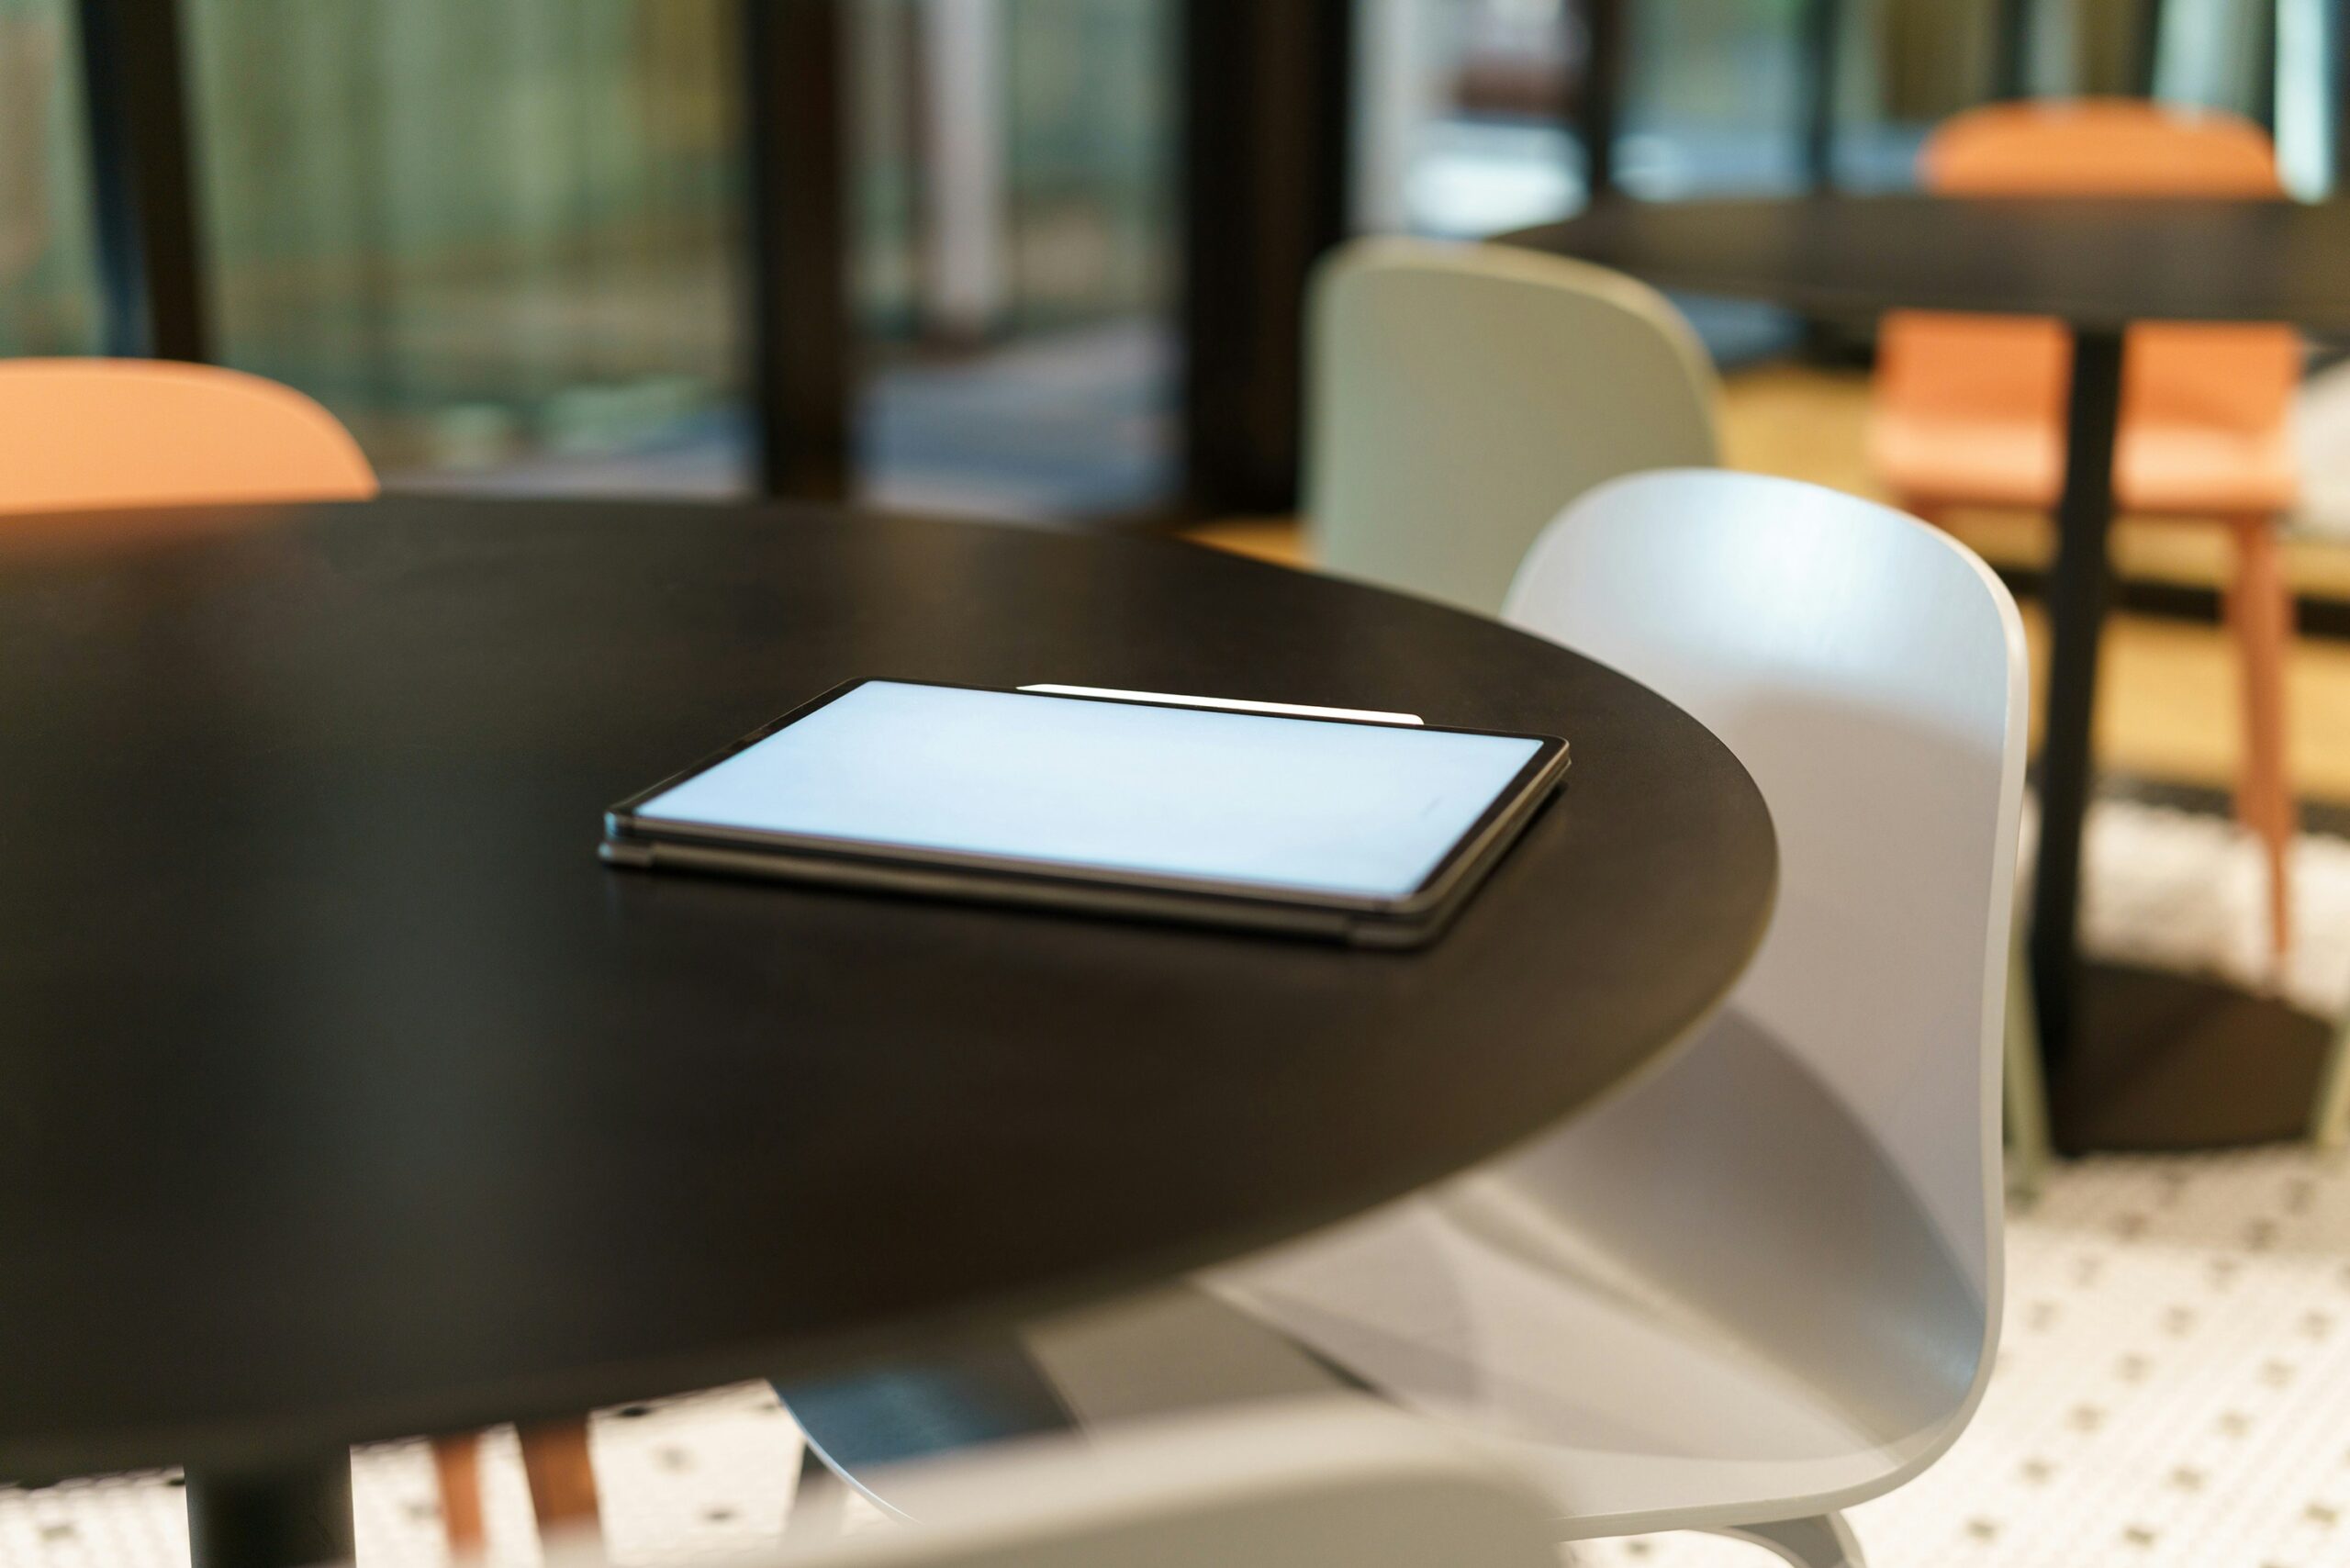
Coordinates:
column 293, row 1515
column 2136, row 1059
column 2077, row 600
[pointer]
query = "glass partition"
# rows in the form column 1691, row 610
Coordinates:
column 1467, row 107
column 495, row 239
column 49, row 292
column 504, row 241
column 1461, row 118
column 1016, row 193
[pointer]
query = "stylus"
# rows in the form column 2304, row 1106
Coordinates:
column 1240, row 705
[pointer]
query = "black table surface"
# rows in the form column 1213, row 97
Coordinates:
column 344, row 1094
column 2092, row 262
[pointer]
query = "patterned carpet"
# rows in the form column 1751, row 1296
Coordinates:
column 2173, row 1387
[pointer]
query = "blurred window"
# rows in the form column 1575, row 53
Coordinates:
column 1467, row 107
column 49, row 296
column 496, row 238
column 1461, row 115
column 503, row 241
column 1017, row 257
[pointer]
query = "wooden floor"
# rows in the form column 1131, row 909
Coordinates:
column 2167, row 692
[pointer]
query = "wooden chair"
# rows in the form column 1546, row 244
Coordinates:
column 1971, row 408
column 82, row 434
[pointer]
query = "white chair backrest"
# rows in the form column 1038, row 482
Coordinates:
column 1342, row 1483
column 1870, row 673
column 1459, row 395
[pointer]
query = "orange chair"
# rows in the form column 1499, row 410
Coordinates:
column 81, row 433
column 1971, row 408
column 77, row 435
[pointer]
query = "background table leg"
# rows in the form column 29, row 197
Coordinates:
column 2076, row 600
column 290, row 1516
column 2136, row 1059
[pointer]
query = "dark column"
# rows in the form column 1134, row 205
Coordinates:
column 290, row 1517
column 2264, row 63
column 2337, row 21
column 150, row 259
column 2076, row 595
column 1267, row 104
column 2010, row 47
column 1823, row 32
column 2145, row 43
column 1599, row 105
column 802, row 336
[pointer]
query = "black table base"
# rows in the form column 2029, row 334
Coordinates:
column 2077, row 593
column 289, row 1516
column 2164, row 1062
column 2136, row 1059
column 2084, row 262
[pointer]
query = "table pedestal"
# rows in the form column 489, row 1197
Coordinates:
column 289, row 1516
column 2164, row 1062
column 2077, row 592
column 2135, row 1059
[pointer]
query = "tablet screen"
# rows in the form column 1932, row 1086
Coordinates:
column 1366, row 811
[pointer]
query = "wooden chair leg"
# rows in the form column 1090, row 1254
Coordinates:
column 2260, row 612
column 562, row 1483
column 458, row 1462
column 1933, row 512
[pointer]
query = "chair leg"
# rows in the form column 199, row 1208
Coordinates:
column 562, row 1483
column 1824, row 1540
column 818, row 1503
column 2260, row 612
column 458, row 1462
column 2023, row 1083
column 2329, row 1125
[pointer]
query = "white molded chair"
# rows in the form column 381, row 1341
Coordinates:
column 1460, row 394
column 1326, row 1484
column 1762, row 1284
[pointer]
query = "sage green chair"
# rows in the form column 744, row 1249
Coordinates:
column 1460, row 394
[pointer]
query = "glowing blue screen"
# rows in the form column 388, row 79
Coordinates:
column 1363, row 809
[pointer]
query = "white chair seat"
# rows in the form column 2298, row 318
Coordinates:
column 1476, row 1343
column 1562, row 1333
column 1328, row 1482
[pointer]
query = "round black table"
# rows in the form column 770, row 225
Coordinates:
column 346, row 1095
column 2135, row 1059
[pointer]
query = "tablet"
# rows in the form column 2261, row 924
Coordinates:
column 1367, row 831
